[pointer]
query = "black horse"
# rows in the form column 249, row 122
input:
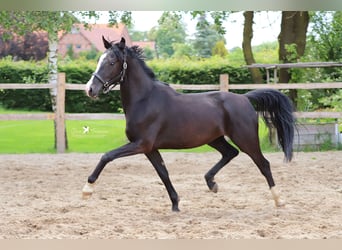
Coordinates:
column 158, row 117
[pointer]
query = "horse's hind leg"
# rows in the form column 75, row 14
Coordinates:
column 228, row 152
column 159, row 165
column 249, row 144
column 264, row 167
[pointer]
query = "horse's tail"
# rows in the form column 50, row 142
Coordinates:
column 277, row 110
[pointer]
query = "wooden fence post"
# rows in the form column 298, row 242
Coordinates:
column 224, row 82
column 60, row 114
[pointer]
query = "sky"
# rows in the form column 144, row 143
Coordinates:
column 266, row 27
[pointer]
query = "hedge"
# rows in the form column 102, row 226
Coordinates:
column 21, row 72
column 30, row 72
column 171, row 71
column 204, row 71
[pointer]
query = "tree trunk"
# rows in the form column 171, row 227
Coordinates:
column 247, row 46
column 294, row 26
column 53, row 76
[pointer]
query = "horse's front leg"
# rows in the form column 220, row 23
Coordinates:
column 159, row 165
column 126, row 150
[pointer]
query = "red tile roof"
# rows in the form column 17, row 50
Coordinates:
column 145, row 44
column 96, row 31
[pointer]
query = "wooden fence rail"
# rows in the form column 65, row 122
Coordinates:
column 223, row 85
column 69, row 86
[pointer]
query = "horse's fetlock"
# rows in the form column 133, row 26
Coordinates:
column 208, row 177
column 91, row 179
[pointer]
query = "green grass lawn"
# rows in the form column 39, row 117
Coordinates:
column 38, row 136
column 23, row 137
column 26, row 137
column 103, row 135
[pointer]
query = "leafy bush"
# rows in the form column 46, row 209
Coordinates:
column 24, row 72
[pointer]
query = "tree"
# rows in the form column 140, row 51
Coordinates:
column 217, row 16
column 170, row 30
column 219, row 49
column 247, row 46
column 325, row 45
column 149, row 53
column 206, row 37
column 182, row 50
column 32, row 46
column 326, row 35
column 294, row 26
column 292, row 42
column 138, row 35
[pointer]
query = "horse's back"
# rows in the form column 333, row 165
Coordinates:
column 206, row 104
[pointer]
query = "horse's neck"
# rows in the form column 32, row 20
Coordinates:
column 136, row 86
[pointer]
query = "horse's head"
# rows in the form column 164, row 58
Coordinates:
column 110, row 70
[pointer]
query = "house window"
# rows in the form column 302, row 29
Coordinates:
column 78, row 46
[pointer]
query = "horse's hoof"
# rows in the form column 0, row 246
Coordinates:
column 87, row 190
column 175, row 209
column 214, row 188
column 86, row 196
column 280, row 203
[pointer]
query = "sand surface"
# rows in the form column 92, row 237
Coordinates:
column 40, row 197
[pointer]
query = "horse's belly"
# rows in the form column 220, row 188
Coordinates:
column 189, row 136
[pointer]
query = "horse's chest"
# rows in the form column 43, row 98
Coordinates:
column 141, row 127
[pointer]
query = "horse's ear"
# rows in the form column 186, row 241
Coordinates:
column 122, row 43
column 106, row 44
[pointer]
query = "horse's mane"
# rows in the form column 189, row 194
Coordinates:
column 138, row 53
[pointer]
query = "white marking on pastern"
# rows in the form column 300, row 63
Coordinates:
column 276, row 197
column 87, row 190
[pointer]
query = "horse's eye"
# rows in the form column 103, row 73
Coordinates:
column 112, row 63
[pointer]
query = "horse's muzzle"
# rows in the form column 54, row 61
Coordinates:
column 89, row 89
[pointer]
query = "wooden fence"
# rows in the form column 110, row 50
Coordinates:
column 60, row 116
